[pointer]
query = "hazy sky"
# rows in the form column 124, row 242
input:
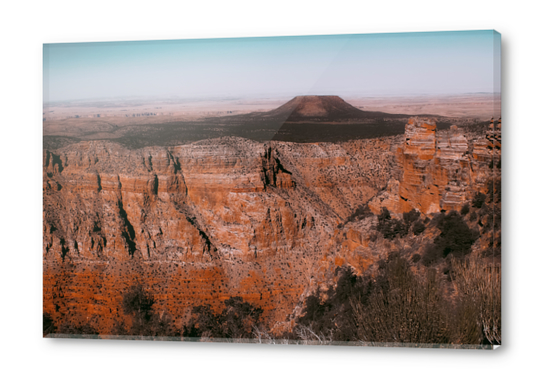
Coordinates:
column 344, row 65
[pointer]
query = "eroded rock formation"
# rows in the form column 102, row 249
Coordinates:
column 438, row 170
column 197, row 223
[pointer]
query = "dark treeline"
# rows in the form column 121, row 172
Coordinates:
column 238, row 319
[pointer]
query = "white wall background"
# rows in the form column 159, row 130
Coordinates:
column 24, row 26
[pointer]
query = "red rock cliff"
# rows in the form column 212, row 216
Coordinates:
column 438, row 169
column 197, row 223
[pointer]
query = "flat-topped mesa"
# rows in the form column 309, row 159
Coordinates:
column 315, row 106
column 321, row 109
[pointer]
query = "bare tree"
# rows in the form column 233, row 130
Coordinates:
column 262, row 335
column 405, row 309
column 479, row 288
column 307, row 334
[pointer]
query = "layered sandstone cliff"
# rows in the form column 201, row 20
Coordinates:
column 197, row 223
column 439, row 170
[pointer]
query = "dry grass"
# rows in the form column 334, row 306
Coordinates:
column 478, row 285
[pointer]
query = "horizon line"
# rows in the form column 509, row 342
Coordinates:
column 264, row 96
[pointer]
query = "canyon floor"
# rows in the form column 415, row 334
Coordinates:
column 187, row 209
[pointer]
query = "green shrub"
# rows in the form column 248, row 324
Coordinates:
column 410, row 217
column 360, row 213
column 455, row 239
column 237, row 320
column 139, row 303
column 390, row 227
column 331, row 313
column 418, row 228
column 431, row 254
column 48, row 324
column 478, row 200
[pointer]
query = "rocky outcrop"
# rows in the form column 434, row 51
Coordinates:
column 438, row 170
column 197, row 223
column 488, row 148
column 274, row 174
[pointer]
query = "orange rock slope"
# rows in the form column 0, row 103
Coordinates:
column 225, row 217
column 196, row 223
column 439, row 169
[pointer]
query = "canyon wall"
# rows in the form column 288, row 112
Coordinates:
column 439, row 170
column 197, row 223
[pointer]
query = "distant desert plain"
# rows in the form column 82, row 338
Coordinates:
column 112, row 118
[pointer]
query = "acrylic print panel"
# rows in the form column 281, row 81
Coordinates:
column 339, row 189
